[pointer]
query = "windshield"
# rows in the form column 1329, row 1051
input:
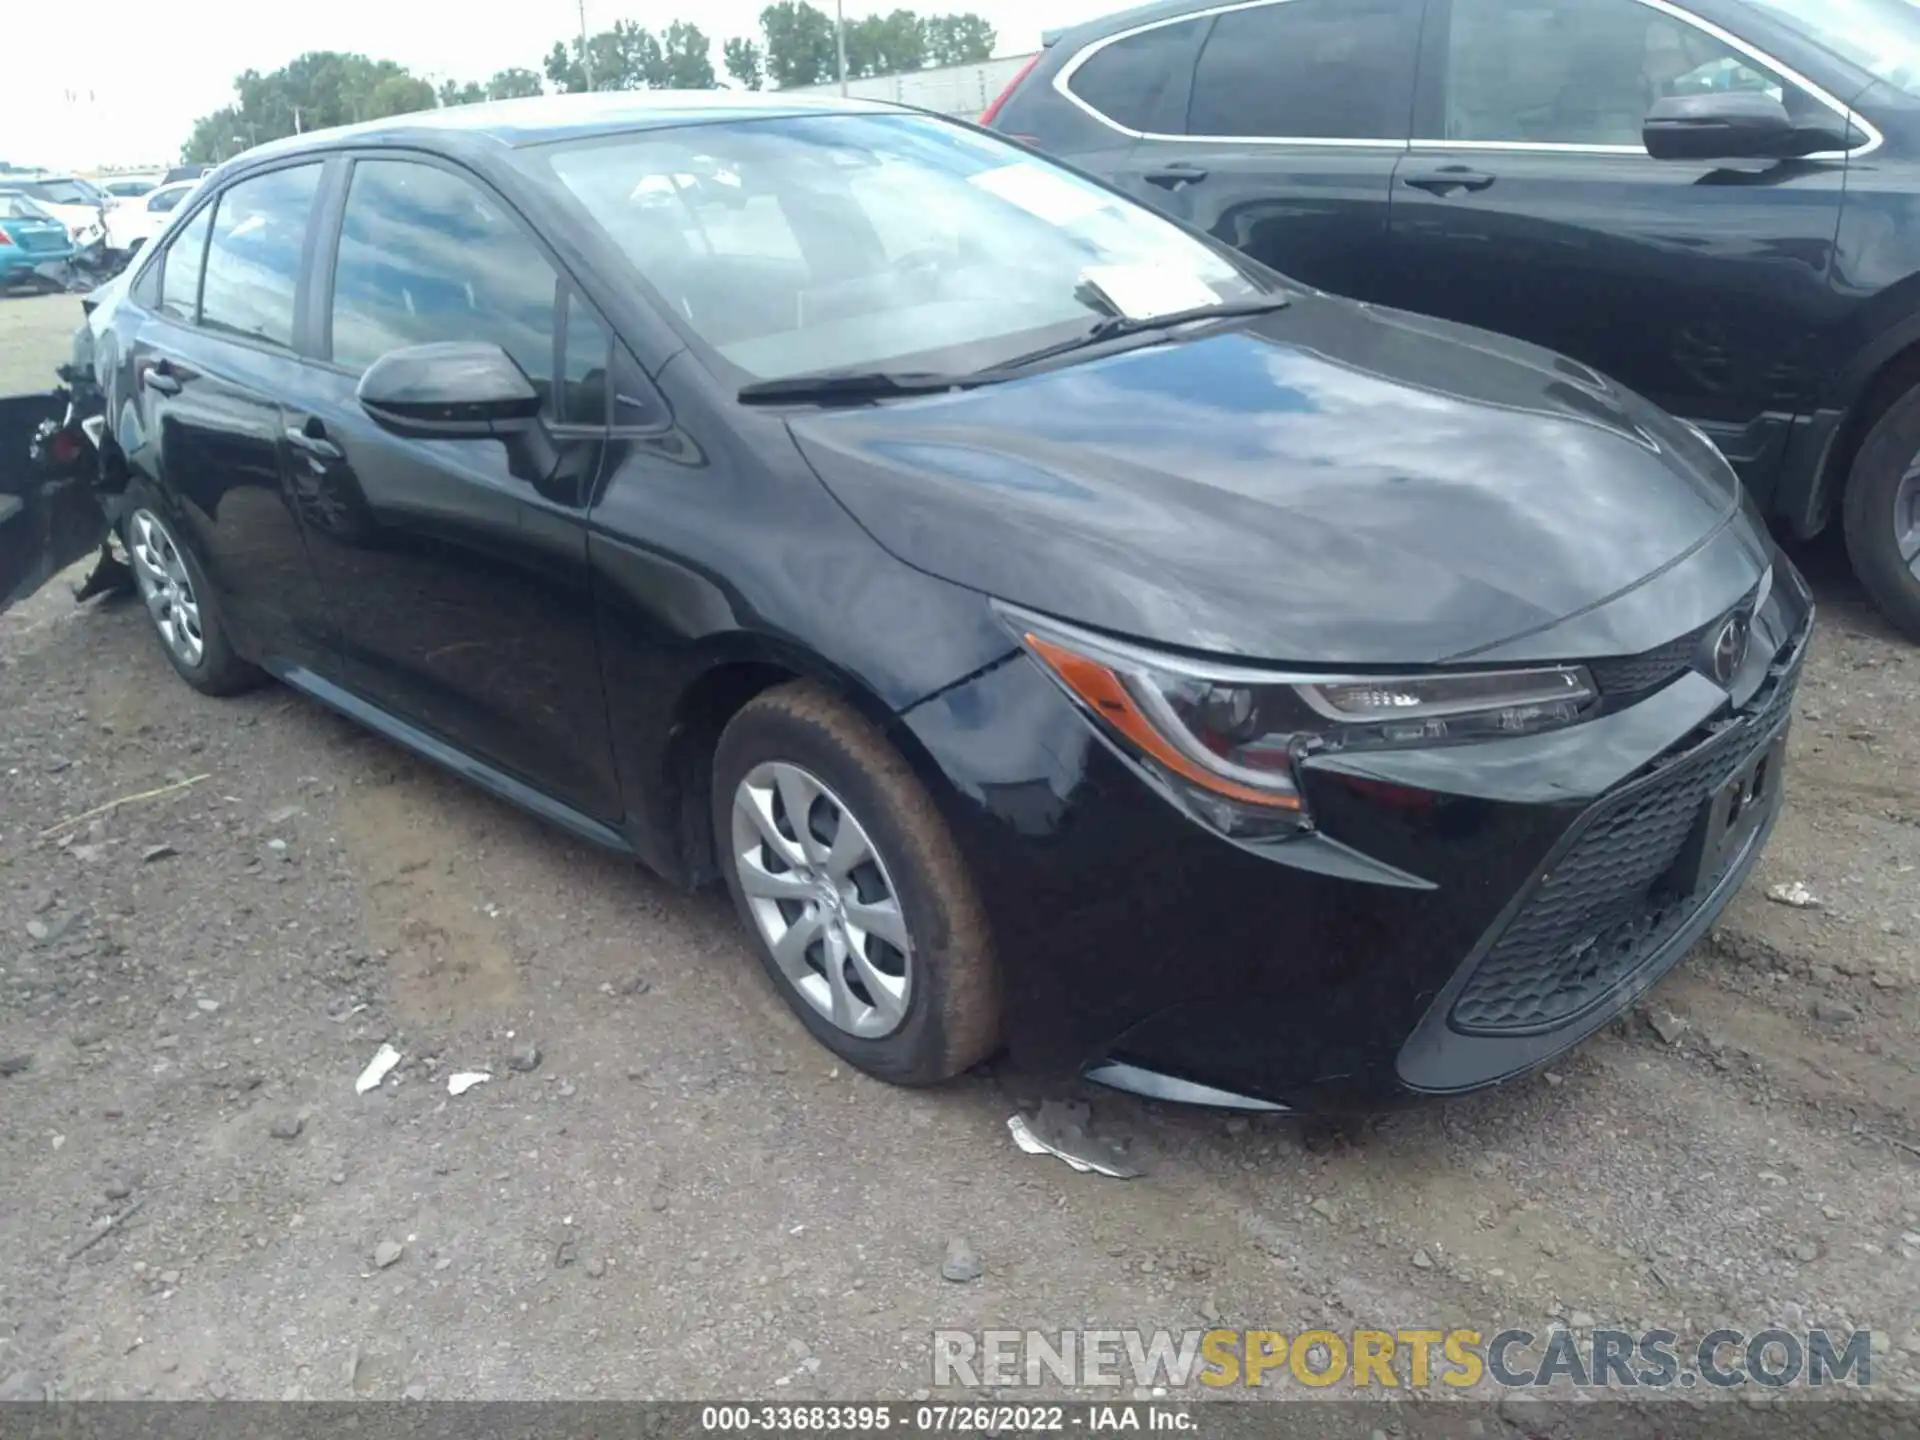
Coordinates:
column 1882, row 37
column 19, row 207
column 837, row 242
column 60, row 192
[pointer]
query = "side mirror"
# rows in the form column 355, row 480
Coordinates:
column 447, row 391
column 461, row 389
column 1729, row 125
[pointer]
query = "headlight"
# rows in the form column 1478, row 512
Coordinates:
column 1227, row 740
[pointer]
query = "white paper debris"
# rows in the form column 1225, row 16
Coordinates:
column 464, row 1081
column 384, row 1059
column 1143, row 292
column 1796, row 895
column 1089, row 1156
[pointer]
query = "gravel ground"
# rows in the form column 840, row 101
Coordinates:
column 686, row 1198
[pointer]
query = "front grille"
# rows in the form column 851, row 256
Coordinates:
column 1628, row 675
column 1601, row 911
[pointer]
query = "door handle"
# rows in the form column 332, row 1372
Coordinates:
column 161, row 380
column 1172, row 177
column 1449, row 179
column 311, row 439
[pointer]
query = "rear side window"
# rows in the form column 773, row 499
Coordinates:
column 1128, row 79
column 1310, row 70
column 180, row 269
column 253, row 256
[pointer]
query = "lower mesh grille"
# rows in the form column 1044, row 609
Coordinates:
column 1601, row 912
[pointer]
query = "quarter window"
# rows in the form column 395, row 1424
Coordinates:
column 1582, row 72
column 427, row 255
column 1126, row 81
column 180, row 269
column 253, row 255
column 1308, row 69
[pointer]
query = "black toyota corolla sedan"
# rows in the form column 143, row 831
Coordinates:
column 1056, row 630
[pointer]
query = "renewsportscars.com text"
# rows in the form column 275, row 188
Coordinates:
column 1395, row 1359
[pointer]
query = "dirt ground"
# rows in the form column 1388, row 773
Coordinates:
column 687, row 1198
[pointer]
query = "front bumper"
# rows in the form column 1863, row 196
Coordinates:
column 1462, row 915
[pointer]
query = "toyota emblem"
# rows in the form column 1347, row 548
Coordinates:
column 1730, row 647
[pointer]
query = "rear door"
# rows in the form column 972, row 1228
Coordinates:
column 1528, row 205
column 1281, row 134
column 208, row 367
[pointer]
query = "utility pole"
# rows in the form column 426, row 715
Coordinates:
column 586, row 60
column 840, row 40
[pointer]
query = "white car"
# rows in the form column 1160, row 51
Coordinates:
column 132, row 223
column 75, row 203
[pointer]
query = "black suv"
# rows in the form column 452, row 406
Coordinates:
column 1717, row 202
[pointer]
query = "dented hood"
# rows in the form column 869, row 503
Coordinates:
column 1329, row 483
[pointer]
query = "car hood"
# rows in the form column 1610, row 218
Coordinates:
column 1333, row 482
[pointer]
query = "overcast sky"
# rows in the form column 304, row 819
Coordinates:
column 152, row 69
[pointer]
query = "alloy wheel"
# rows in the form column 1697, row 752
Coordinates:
column 166, row 586
column 819, row 892
column 1906, row 517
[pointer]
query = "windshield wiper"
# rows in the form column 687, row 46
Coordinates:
column 832, row 385
column 851, row 385
column 1112, row 327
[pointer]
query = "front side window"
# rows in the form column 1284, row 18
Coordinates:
column 253, row 256
column 427, row 255
column 1308, row 69
column 180, row 269
column 1583, row 72
column 826, row 242
column 1126, row 79
column 165, row 200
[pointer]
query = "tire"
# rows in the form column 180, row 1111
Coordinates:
column 944, row 1015
column 173, row 584
column 1881, row 501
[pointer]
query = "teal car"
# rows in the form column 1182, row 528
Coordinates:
column 29, row 239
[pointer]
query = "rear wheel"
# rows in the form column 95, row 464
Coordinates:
column 181, row 604
column 1882, row 514
column 854, row 894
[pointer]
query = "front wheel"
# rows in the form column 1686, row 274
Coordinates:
column 1882, row 514
column 852, row 889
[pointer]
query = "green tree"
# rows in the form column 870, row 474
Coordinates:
column 800, row 48
column 964, row 39
column 742, row 59
column 514, row 83
column 886, row 44
column 313, row 91
column 627, row 57
column 452, row 92
column 689, row 57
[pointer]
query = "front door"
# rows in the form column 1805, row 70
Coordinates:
column 460, row 587
column 1528, row 205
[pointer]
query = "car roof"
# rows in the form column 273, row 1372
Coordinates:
column 544, row 118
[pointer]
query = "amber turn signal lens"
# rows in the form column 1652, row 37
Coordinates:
column 1103, row 692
